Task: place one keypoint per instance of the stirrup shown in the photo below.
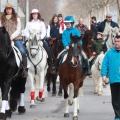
(24, 73)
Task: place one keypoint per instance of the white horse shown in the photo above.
(97, 78)
(112, 33)
(38, 66)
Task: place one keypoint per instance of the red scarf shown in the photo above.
(62, 25)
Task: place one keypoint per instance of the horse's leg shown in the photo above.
(54, 85)
(32, 93)
(100, 86)
(66, 113)
(5, 99)
(21, 108)
(70, 91)
(60, 89)
(41, 86)
(48, 76)
(95, 83)
(75, 99)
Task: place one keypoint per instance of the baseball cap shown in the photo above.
(35, 11)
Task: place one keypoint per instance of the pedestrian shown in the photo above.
(12, 23)
(35, 23)
(111, 68)
(81, 26)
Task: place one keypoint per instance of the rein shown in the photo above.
(35, 65)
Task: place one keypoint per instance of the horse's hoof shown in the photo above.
(66, 114)
(75, 118)
(21, 109)
(32, 106)
(8, 113)
(70, 102)
(2, 116)
(54, 93)
(13, 105)
(48, 89)
(40, 99)
(59, 93)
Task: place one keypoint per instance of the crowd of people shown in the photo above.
(58, 25)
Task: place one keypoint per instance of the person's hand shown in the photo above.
(102, 52)
(11, 38)
(94, 53)
(104, 79)
(67, 47)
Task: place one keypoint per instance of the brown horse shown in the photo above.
(56, 47)
(72, 76)
(87, 42)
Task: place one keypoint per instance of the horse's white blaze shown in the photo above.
(96, 75)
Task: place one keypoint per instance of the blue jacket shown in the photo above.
(111, 66)
(66, 36)
(101, 26)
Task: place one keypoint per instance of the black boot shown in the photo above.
(24, 63)
(88, 67)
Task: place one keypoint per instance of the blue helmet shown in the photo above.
(69, 19)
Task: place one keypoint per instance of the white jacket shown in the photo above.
(35, 25)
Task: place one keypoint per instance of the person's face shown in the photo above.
(9, 11)
(99, 36)
(108, 19)
(35, 16)
(68, 25)
(55, 20)
(60, 19)
(81, 21)
(117, 43)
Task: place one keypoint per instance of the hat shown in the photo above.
(8, 5)
(35, 11)
(93, 17)
(100, 33)
(108, 15)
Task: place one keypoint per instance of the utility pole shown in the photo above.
(27, 10)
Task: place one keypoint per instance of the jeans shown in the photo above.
(19, 45)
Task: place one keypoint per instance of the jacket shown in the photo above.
(66, 35)
(111, 66)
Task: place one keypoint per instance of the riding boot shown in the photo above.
(88, 66)
(24, 63)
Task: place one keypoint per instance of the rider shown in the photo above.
(69, 22)
(35, 23)
(12, 23)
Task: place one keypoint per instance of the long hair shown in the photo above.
(52, 21)
(14, 17)
(31, 17)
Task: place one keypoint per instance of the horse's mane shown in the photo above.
(86, 36)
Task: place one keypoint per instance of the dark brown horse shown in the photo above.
(87, 42)
(56, 47)
(72, 77)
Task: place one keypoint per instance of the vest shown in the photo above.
(11, 28)
(54, 30)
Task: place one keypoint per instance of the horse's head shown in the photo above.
(5, 44)
(74, 50)
(34, 44)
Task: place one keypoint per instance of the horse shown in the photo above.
(56, 48)
(111, 36)
(73, 76)
(87, 41)
(96, 75)
(37, 58)
(10, 77)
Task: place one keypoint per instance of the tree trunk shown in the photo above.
(118, 3)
